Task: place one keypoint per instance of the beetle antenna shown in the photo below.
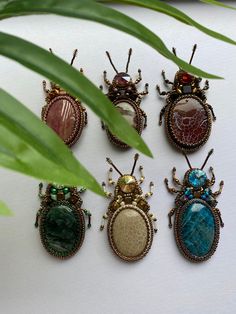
(208, 156)
(111, 163)
(136, 156)
(50, 49)
(109, 57)
(174, 51)
(186, 157)
(129, 55)
(74, 56)
(193, 52)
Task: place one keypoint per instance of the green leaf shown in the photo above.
(4, 210)
(29, 146)
(91, 10)
(219, 4)
(177, 14)
(72, 81)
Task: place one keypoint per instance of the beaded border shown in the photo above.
(149, 229)
(77, 212)
(169, 126)
(78, 112)
(177, 232)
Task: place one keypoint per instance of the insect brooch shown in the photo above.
(64, 113)
(125, 97)
(188, 117)
(61, 220)
(130, 225)
(197, 220)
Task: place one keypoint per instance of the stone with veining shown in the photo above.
(130, 233)
(128, 112)
(189, 122)
(61, 117)
(197, 229)
(61, 230)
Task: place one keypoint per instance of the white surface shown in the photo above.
(95, 281)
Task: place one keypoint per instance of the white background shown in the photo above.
(95, 281)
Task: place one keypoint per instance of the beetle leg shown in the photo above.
(145, 92)
(165, 79)
(171, 190)
(206, 86)
(145, 118)
(142, 175)
(89, 215)
(212, 181)
(103, 125)
(46, 91)
(139, 77)
(159, 91)
(176, 180)
(85, 116)
(217, 193)
(219, 216)
(171, 213)
(105, 78)
(150, 193)
(36, 224)
(81, 190)
(108, 194)
(104, 217)
(110, 181)
(40, 193)
(212, 112)
(162, 112)
(154, 221)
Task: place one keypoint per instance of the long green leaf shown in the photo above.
(29, 146)
(177, 14)
(5, 210)
(74, 82)
(91, 10)
(214, 2)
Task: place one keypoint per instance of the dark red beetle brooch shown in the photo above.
(125, 97)
(197, 220)
(130, 224)
(61, 220)
(64, 113)
(188, 117)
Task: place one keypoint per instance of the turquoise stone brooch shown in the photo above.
(61, 220)
(197, 219)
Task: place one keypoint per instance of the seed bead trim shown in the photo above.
(150, 232)
(177, 231)
(79, 114)
(78, 213)
(169, 126)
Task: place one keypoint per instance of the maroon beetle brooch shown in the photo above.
(188, 117)
(197, 219)
(125, 97)
(64, 113)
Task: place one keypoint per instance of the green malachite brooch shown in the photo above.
(61, 220)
